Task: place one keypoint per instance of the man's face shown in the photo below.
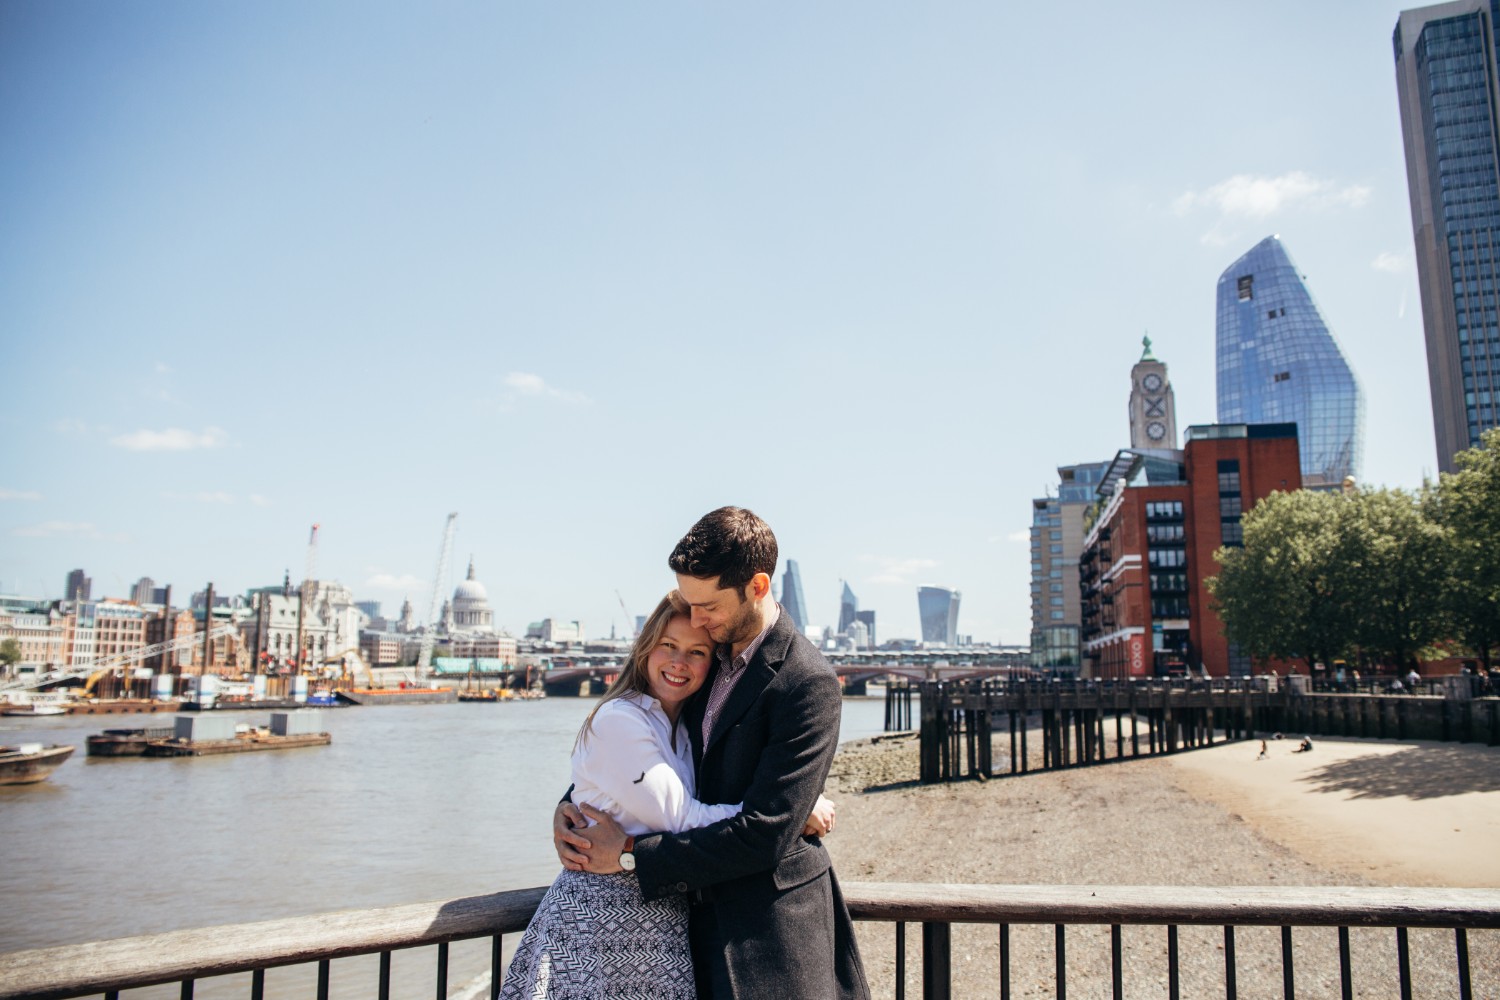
(728, 618)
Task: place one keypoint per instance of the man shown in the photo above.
(766, 914)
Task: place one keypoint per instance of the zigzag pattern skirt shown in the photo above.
(594, 937)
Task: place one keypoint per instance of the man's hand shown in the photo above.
(567, 837)
(608, 842)
(820, 823)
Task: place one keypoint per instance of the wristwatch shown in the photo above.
(627, 857)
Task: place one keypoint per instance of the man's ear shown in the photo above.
(760, 585)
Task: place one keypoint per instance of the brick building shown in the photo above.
(1160, 517)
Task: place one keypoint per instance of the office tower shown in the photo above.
(867, 618)
(793, 597)
(1153, 404)
(144, 591)
(848, 608)
(938, 608)
(371, 609)
(1446, 72)
(1279, 364)
(78, 587)
(1057, 531)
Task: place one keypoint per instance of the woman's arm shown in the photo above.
(623, 758)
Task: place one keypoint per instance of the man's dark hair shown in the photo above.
(730, 543)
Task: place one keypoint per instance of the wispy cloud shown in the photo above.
(1249, 196)
(404, 583)
(1024, 535)
(6, 494)
(256, 500)
(74, 529)
(527, 384)
(203, 496)
(1392, 262)
(171, 439)
(889, 570)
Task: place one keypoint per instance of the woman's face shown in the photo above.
(679, 663)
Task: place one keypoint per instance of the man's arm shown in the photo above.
(790, 773)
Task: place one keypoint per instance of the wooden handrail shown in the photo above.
(124, 963)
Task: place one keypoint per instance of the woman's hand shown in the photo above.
(820, 823)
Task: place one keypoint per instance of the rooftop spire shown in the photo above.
(1146, 354)
(471, 566)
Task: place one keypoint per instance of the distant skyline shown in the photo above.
(583, 273)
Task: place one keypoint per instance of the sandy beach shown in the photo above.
(1351, 812)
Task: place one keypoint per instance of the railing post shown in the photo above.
(937, 965)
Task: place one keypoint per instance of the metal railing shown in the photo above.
(187, 957)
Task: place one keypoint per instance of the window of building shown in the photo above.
(1231, 533)
(1055, 548)
(1246, 287)
(1058, 616)
(1229, 507)
(1057, 602)
(1056, 587)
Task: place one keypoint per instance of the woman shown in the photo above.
(594, 936)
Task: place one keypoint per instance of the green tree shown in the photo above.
(1396, 556)
(1289, 592)
(10, 653)
(1467, 506)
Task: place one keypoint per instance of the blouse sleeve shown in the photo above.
(630, 766)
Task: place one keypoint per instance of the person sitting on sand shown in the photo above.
(1305, 746)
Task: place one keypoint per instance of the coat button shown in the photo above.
(682, 887)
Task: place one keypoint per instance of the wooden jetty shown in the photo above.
(1087, 722)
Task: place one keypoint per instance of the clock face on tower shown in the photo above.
(1152, 382)
(1156, 430)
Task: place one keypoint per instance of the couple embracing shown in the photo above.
(690, 841)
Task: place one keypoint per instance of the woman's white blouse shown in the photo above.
(625, 766)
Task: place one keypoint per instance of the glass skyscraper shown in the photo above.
(1446, 73)
(938, 607)
(793, 597)
(848, 608)
(1278, 363)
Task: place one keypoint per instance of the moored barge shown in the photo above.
(398, 696)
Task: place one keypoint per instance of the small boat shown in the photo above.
(25, 763)
(34, 708)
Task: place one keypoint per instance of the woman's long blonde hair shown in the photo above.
(632, 678)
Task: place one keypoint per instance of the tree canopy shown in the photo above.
(1377, 574)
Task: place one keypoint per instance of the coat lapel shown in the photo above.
(758, 673)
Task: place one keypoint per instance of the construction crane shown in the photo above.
(312, 555)
(629, 621)
(435, 606)
(304, 593)
(95, 671)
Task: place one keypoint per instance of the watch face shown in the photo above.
(1156, 430)
(1152, 382)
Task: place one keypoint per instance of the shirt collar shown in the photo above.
(734, 666)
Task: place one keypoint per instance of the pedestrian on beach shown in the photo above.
(596, 935)
(1262, 750)
(766, 916)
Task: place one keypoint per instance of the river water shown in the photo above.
(408, 804)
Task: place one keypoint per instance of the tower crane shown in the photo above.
(629, 621)
(424, 660)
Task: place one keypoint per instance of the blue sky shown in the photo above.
(582, 272)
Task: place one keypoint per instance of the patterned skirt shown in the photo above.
(595, 938)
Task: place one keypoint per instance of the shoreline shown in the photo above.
(1211, 817)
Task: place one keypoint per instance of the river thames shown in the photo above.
(409, 803)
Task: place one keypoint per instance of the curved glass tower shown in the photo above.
(1278, 363)
(793, 598)
(938, 607)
